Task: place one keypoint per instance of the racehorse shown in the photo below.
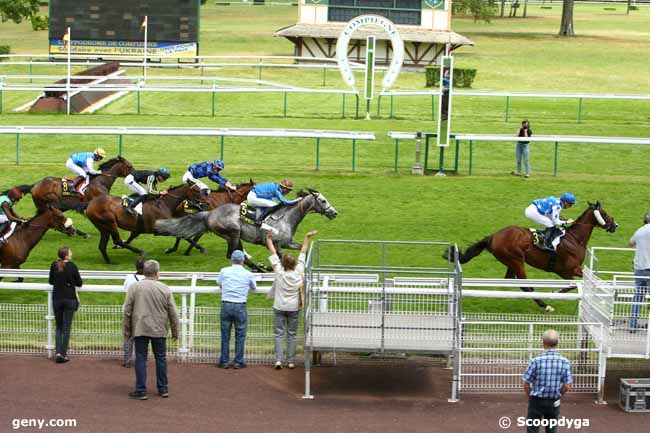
(213, 201)
(108, 214)
(225, 222)
(17, 248)
(50, 190)
(513, 246)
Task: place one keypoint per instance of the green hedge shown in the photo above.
(40, 22)
(462, 77)
(4, 49)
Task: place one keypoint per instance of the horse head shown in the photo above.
(600, 217)
(60, 222)
(118, 167)
(321, 204)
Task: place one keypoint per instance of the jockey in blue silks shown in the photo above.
(546, 211)
(209, 169)
(81, 163)
(263, 194)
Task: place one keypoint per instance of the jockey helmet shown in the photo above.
(163, 172)
(100, 152)
(219, 164)
(568, 197)
(286, 184)
(15, 194)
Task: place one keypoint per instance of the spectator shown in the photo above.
(523, 149)
(149, 305)
(546, 380)
(287, 294)
(64, 278)
(235, 283)
(130, 279)
(640, 240)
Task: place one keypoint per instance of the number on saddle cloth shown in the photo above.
(248, 213)
(68, 186)
(540, 234)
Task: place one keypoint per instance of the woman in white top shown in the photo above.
(130, 279)
(286, 293)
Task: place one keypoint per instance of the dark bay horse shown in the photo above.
(213, 201)
(225, 222)
(513, 246)
(108, 215)
(15, 252)
(50, 189)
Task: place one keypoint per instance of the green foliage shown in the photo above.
(480, 10)
(462, 77)
(5, 49)
(40, 22)
(17, 10)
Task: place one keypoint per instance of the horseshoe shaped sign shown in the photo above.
(344, 40)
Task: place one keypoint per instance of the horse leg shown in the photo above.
(174, 247)
(519, 271)
(103, 242)
(194, 243)
(132, 236)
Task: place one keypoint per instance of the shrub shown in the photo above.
(462, 77)
(40, 22)
(4, 49)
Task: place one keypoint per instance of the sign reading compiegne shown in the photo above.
(395, 39)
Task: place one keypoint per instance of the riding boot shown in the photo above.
(549, 236)
(77, 182)
(137, 200)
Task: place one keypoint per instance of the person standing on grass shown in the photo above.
(640, 240)
(64, 278)
(287, 294)
(149, 306)
(138, 275)
(235, 283)
(547, 378)
(523, 149)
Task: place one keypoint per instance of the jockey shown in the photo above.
(81, 163)
(7, 213)
(148, 177)
(209, 169)
(262, 195)
(546, 211)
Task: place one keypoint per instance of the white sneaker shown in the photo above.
(291, 365)
(278, 365)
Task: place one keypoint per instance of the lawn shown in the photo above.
(608, 56)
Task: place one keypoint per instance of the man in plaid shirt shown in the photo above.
(547, 378)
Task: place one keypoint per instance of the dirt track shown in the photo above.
(261, 400)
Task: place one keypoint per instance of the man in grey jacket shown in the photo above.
(149, 306)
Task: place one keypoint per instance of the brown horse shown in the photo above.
(17, 248)
(108, 215)
(214, 200)
(513, 246)
(50, 189)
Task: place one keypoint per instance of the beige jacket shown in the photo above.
(148, 307)
(286, 291)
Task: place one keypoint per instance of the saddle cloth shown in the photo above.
(67, 186)
(538, 238)
(248, 215)
(126, 201)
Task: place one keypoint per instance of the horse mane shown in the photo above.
(590, 208)
(110, 163)
(303, 193)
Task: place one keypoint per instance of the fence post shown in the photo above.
(138, 96)
(531, 336)
(30, 69)
(17, 148)
(119, 146)
(579, 110)
(379, 105)
(49, 318)
(391, 107)
(456, 157)
(470, 158)
(192, 318)
(555, 160)
(356, 114)
(343, 108)
(433, 110)
(285, 104)
(507, 108)
(214, 97)
(259, 76)
(182, 350)
(1, 88)
(324, 74)
(396, 154)
(354, 153)
(317, 153)
(222, 146)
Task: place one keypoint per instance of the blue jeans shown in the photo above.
(642, 285)
(159, 348)
(233, 314)
(523, 152)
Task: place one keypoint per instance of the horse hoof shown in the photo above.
(203, 251)
(169, 250)
(117, 247)
(86, 236)
(549, 309)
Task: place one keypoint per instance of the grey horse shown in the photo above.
(225, 221)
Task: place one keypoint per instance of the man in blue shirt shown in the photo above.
(546, 211)
(547, 378)
(263, 194)
(209, 169)
(235, 283)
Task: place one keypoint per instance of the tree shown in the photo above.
(566, 26)
(17, 10)
(481, 10)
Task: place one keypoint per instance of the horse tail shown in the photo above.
(474, 250)
(184, 227)
(25, 189)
